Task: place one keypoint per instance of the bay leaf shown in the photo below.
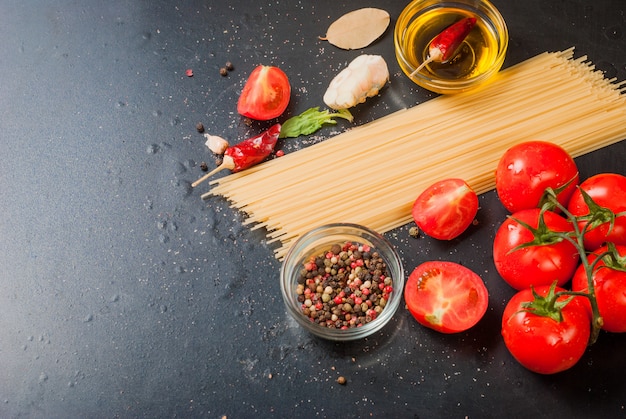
(358, 29)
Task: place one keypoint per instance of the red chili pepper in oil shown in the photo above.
(247, 153)
(447, 42)
(443, 46)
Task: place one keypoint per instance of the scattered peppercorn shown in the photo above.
(204, 167)
(229, 66)
(189, 72)
(200, 127)
(341, 380)
(344, 287)
(414, 232)
(223, 71)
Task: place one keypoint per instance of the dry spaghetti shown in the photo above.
(552, 97)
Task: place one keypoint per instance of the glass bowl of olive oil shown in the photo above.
(479, 56)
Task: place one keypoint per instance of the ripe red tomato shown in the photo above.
(607, 190)
(265, 95)
(527, 169)
(534, 265)
(445, 209)
(540, 343)
(610, 288)
(446, 296)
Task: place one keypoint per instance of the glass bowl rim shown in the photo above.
(451, 86)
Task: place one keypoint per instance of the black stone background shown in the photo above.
(122, 294)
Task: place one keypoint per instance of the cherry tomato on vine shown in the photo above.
(527, 169)
(446, 296)
(265, 95)
(542, 263)
(541, 343)
(607, 190)
(445, 209)
(609, 283)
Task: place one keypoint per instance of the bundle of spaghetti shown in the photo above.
(371, 175)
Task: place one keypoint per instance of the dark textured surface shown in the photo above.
(122, 294)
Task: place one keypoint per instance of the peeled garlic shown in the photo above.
(216, 144)
(363, 78)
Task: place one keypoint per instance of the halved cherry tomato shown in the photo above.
(445, 209)
(609, 283)
(542, 263)
(446, 296)
(527, 169)
(265, 95)
(607, 190)
(543, 344)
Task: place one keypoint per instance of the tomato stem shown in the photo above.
(577, 239)
(548, 306)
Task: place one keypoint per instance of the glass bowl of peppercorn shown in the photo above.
(342, 281)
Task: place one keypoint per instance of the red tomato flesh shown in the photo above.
(610, 288)
(533, 265)
(607, 190)
(527, 169)
(445, 209)
(446, 296)
(265, 95)
(540, 343)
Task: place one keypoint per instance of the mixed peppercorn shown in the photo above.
(344, 287)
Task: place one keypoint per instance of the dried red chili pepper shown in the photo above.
(443, 46)
(247, 153)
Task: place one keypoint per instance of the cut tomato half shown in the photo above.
(446, 296)
(445, 209)
(265, 95)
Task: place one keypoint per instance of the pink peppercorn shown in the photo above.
(388, 289)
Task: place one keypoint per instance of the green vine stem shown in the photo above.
(577, 239)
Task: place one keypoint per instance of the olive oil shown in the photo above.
(476, 55)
